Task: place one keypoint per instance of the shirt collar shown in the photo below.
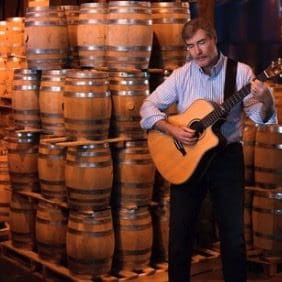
(216, 68)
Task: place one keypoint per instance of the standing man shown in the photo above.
(203, 77)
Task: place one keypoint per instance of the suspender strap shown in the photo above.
(230, 78)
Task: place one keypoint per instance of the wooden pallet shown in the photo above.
(31, 262)
(5, 233)
(204, 261)
(271, 266)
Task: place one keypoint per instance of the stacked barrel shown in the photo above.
(5, 187)
(248, 139)
(127, 57)
(23, 147)
(22, 163)
(85, 192)
(266, 200)
(20, 85)
(168, 47)
(12, 56)
(12, 51)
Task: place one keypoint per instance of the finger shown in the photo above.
(189, 130)
(191, 141)
(190, 138)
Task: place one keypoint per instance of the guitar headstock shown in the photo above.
(274, 69)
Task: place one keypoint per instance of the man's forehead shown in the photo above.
(198, 35)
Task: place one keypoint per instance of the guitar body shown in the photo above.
(175, 166)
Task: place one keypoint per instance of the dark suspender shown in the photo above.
(230, 78)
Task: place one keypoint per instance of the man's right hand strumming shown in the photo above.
(182, 133)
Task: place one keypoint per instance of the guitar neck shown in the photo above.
(229, 103)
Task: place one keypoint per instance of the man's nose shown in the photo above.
(197, 49)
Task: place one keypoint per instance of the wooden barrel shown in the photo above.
(267, 220)
(25, 102)
(13, 63)
(134, 174)
(72, 17)
(3, 77)
(3, 39)
(92, 20)
(249, 139)
(51, 95)
(38, 3)
(277, 93)
(87, 104)
(6, 121)
(168, 47)
(128, 90)
(90, 242)
(248, 225)
(50, 231)
(22, 221)
(51, 170)
(129, 36)
(268, 157)
(160, 221)
(134, 237)
(15, 36)
(89, 176)
(46, 38)
(5, 189)
(22, 160)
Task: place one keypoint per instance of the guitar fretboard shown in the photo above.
(228, 104)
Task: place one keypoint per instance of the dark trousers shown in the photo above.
(224, 180)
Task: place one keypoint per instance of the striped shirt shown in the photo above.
(189, 82)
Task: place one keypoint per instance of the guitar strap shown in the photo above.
(230, 78)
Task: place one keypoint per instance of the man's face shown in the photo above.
(202, 49)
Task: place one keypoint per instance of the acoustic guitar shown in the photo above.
(178, 162)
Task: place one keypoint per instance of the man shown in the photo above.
(203, 77)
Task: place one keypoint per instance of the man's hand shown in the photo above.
(261, 92)
(183, 134)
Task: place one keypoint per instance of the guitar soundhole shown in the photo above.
(198, 127)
